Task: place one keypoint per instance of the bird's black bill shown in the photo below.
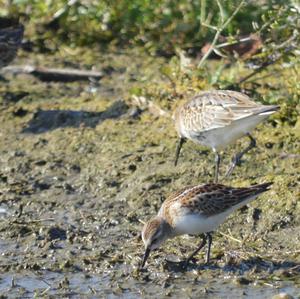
(146, 255)
(178, 148)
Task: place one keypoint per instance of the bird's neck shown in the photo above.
(167, 229)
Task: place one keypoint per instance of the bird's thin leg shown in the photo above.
(217, 166)
(195, 252)
(181, 141)
(237, 158)
(209, 238)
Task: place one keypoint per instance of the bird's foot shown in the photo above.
(185, 264)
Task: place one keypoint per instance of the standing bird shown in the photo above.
(10, 41)
(196, 210)
(218, 118)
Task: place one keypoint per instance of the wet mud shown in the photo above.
(82, 166)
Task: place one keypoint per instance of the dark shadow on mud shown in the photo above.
(252, 264)
(48, 120)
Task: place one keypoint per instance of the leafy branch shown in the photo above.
(224, 23)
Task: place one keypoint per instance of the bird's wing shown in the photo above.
(212, 199)
(215, 109)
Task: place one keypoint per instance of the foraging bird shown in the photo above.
(196, 210)
(218, 118)
(10, 41)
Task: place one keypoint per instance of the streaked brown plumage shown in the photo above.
(196, 210)
(211, 199)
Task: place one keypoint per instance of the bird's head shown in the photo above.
(154, 233)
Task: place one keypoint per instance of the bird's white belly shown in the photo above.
(219, 138)
(194, 224)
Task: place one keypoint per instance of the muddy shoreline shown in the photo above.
(82, 166)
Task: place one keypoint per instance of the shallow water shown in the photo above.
(46, 283)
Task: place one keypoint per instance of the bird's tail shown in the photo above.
(269, 109)
(253, 190)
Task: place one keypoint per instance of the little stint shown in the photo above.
(218, 118)
(196, 210)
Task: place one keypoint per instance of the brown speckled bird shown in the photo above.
(218, 118)
(196, 210)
